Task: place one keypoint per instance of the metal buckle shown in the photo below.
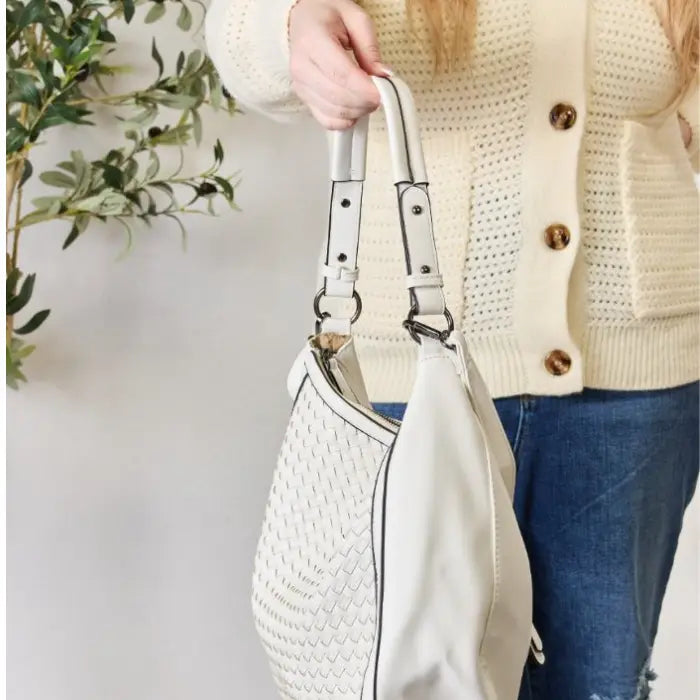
(320, 315)
(416, 328)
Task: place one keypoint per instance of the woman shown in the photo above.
(561, 140)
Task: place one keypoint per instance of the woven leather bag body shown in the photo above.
(390, 565)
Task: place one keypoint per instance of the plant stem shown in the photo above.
(10, 182)
(14, 175)
(17, 228)
(117, 99)
(107, 99)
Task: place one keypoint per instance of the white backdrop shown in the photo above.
(140, 453)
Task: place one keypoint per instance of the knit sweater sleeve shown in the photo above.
(247, 43)
(689, 108)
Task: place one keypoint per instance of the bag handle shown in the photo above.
(348, 167)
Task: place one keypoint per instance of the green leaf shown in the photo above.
(155, 13)
(153, 165)
(72, 236)
(24, 90)
(67, 165)
(24, 351)
(13, 373)
(145, 116)
(11, 281)
(129, 237)
(184, 20)
(130, 170)
(113, 176)
(60, 113)
(218, 152)
(155, 53)
(215, 93)
(56, 178)
(86, 54)
(107, 203)
(60, 48)
(17, 303)
(132, 136)
(183, 231)
(176, 136)
(106, 36)
(180, 62)
(114, 156)
(226, 187)
(74, 48)
(128, 10)
(44, 202)
(45, 69)
(34, 322)
(55, 208)
(193, 61)
(162, 186)
(83, 172)
(80, 223)
(196, 126)
(15, 138)
(33, 217)
(30, 14)
(26, 173)
(177, 101)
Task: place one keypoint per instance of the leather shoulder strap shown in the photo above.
(348, 167)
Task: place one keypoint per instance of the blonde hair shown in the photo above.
(450, 35)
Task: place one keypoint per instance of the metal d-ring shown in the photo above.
(320, 315)
(416, 328)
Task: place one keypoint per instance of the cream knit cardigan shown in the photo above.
(622, 298)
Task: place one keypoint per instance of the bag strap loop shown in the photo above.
(348, 168)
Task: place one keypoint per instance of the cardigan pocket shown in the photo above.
(381, 257)
(660, 214)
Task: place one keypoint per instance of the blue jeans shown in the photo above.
(603, 480)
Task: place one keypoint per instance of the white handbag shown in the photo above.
(390, 564)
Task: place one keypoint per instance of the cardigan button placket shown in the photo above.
(546, 296)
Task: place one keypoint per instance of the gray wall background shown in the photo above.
(140, 454)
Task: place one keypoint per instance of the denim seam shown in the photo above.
(519, 429)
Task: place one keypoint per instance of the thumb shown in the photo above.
(363, 41)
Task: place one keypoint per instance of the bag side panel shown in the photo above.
(438, 573)
(313, 593)
(499, 446)
(508, 630)
(506, 640)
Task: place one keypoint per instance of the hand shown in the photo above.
(336, 90)
(686, 131)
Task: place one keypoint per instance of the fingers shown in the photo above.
(686, 130)
(363, 40)
(337, 90)
(325, 113)
(341, 79)
(332, 83)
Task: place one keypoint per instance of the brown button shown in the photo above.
(557, 236)
(557, 362)
(562, 115)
